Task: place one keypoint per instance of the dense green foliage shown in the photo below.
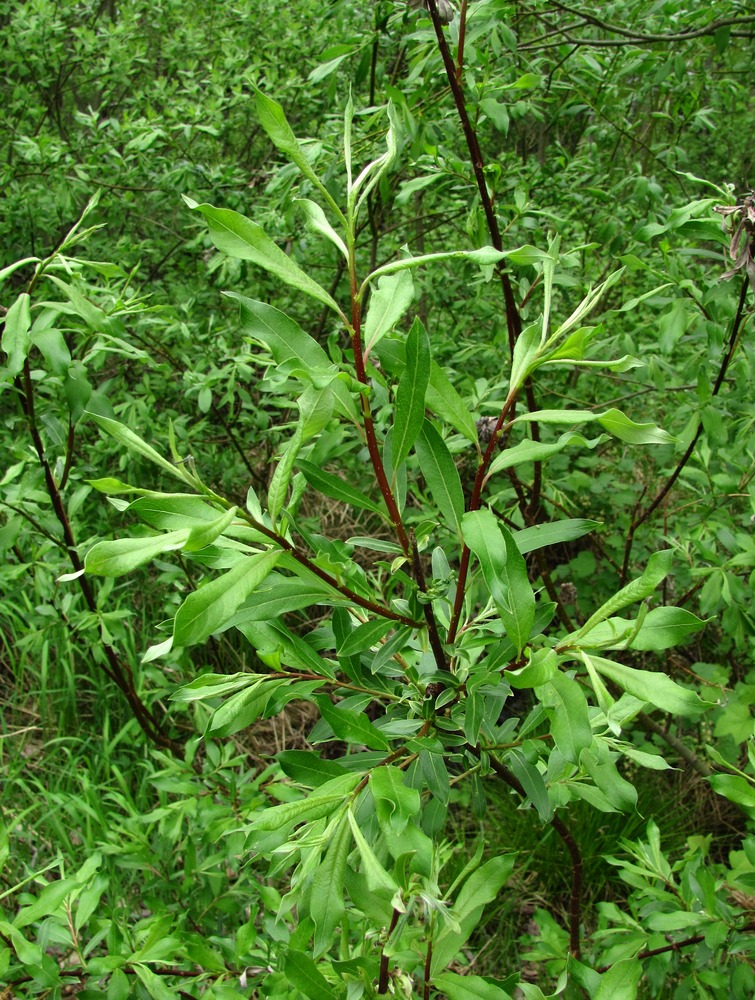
(414, 651)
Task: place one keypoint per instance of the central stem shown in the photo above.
(369, 427)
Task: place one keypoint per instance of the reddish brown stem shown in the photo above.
(369, 427)
(474, 504)
(383, 980)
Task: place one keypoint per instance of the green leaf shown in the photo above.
(619, 424)
(307, 767)
(457, 987)
(441, 475)
(655, 688)
(532, 782)
(435, 774)
(304, 976)
(154, 984)
(443, 399)
(657, 569)
(335, 487)
(378, 879)
(277, 491)
(474, 713)
(211, 686)
(410, 394)
(48, 901)
(126, 436)
(205, 534)
(16, 340)
(504, 571)
(318, 221)
(388, 303)
(276, 644)
(395, 802)
(326, 906)
(621, 981)
(570, 722)
(246, 706)
(735, 788)
(281, 594)
(666, 627)
(320, 802)
(542, 666)
(206, 610)
(350, 726)
(538, 451)
(53, 347)
(273, 120)
(526, 354)
(481, 888)
(123, 555)
(239, 237)
(291, 347)
(552, 533)
(618, 791)
(365, 636)
(613, 420)
(173, 511)
(6, 272)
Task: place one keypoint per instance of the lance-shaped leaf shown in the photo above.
(281, 594)
(390, 300)
(239, 237)
(467, 987)
(481, 888)
(504, 572)
(171, 511)
(318, 221)
(351, 726)
(208, 609)
(211, 686)
(122, 555)
(655, 688)
(532, 782)
(320, 802)
(396, 803)
(378, 879)
(273, 120)
(308, 768)
(659, 629)
(335, 487)
(364, 637)
(443, 399)
(126, 436)
(441, 475)
(599, 764)
(246, 706)
(326, 905)
(410, 394)
(291, 346)
(614, 421)
(540, 535)
(278, 489)
(205, 534)
(526, 356)
(657, 569)
(570, 723)
(302, 973)
(16, 339)
(539, 451)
